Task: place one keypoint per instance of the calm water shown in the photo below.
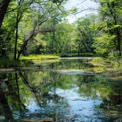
(61, 91)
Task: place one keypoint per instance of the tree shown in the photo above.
(86, 33)
(19, 12)
(3, 8)
(110, 17)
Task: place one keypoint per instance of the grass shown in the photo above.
(39, 57)
(98, 61)
(6, 62)
(106, 65)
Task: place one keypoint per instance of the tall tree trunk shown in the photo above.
(3, 8)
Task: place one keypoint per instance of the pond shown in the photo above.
(62, 91)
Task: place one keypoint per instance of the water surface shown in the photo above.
(61, 91)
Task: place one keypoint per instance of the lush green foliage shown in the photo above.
(109, 26)
(40, 27)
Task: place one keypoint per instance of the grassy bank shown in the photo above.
(6, 62)
(39, 57)
(109, 66)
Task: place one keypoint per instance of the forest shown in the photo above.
(31, 27)
(52, 70)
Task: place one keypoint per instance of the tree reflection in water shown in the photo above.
(16, 92)
(37, 94)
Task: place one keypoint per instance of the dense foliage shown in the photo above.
(40, 27)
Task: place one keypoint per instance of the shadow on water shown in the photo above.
(60, 92)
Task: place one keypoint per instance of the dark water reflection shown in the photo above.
(59, 92)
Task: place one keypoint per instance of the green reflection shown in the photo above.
(39, 93)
